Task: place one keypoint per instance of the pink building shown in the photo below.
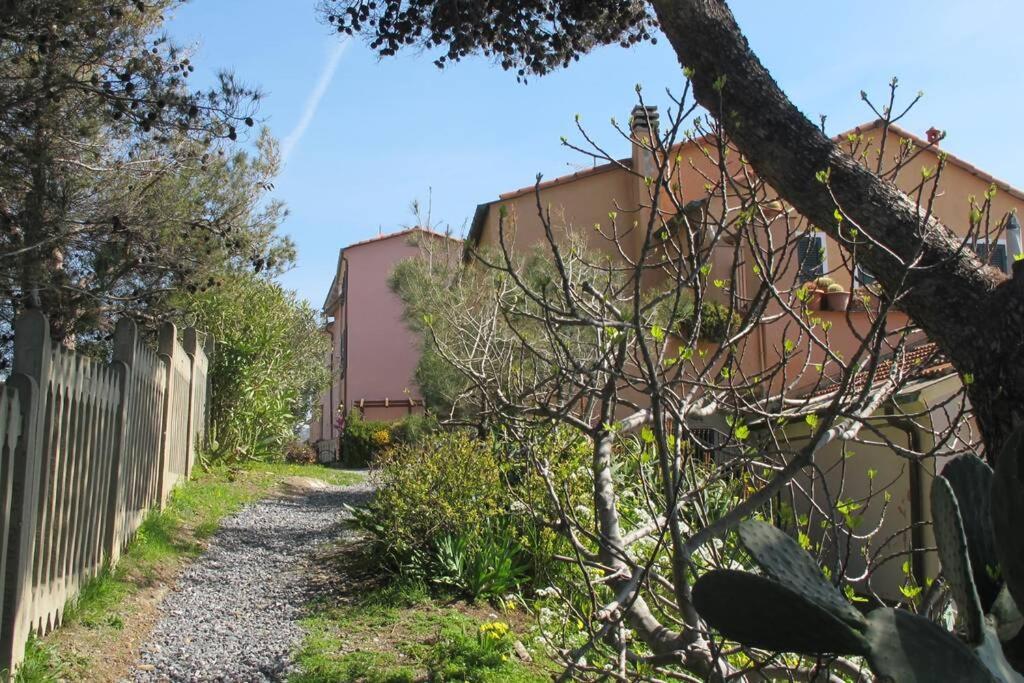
(373, 353)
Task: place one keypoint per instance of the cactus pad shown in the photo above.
(1007, 616)
(1008, 511)
(971, 480)
(908, 648)
(953, 553)
(763, 613)
(990, 652)
(784, 560)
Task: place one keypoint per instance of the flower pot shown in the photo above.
(837, 301)
(815, 298)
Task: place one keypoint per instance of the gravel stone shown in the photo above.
(234, 613)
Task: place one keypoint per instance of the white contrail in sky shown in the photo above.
(313, 102)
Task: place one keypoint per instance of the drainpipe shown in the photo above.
(917, 513)
(344, 339)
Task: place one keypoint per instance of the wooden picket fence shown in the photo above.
(86, 450)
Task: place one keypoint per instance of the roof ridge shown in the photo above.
(924, 144)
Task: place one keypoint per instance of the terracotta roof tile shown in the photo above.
(916, 363)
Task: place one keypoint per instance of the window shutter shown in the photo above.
(999, 257)
(994, 255)
(809, 256)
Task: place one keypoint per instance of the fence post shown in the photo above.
(168, 342)
(30, 378)
(193, 349)
(123, 361)
(209, 348)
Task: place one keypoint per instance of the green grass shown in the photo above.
(398, 634)
(165, 539)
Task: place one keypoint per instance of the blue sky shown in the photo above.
(365, 137)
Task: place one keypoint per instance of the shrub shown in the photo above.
(716, 324)
(363, 441)
(268, 367)
(448, 485)
(414, 428)
(300, 453)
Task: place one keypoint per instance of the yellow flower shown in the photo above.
(381, 437)
(495, 630)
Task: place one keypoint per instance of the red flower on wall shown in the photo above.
(934, 135)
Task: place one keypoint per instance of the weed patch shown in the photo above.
(374, 631)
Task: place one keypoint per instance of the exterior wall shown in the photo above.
(586, 199)
(373, 353)
(951, 206)
(580, 201)
(575, 206)
(381, 352)
(845, 468)
(322, 425)
(391, 413)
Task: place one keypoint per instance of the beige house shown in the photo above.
(583, 199)
(373, 353)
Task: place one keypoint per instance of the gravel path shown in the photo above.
(233, 614)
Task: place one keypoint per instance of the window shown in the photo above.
(706, 442)
(810, 255)
(993, 254)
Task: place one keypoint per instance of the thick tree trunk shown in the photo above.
(974, 313)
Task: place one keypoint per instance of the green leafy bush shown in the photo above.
(268, 364)
(448, 484)
(488, 562)
(414, 429)
(363, 441)
(716, 323)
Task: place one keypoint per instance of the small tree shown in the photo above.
(118, 182)
(641, 355)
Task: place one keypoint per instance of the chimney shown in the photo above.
(643, 127)
(643, 130)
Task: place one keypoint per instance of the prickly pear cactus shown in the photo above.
(782, 558)
(908, 648)
(1008, 619)
(795, 609)
(1008, 513)
(971, 480)
(764, 613)
(954, 556)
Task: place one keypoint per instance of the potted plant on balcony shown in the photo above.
(837, 298)
(816, 289)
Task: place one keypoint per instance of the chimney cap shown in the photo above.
(642, 115)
